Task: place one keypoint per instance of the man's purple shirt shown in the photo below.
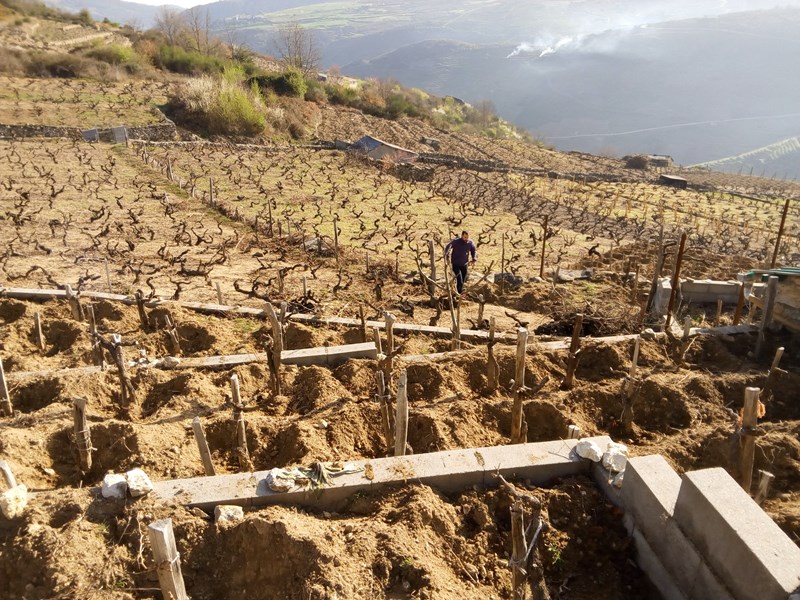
(461, 251)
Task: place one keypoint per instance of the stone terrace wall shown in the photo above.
(158, 132)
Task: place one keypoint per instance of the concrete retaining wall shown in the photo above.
(697, 291)
(701, 536)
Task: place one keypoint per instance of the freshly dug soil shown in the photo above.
(408, 542)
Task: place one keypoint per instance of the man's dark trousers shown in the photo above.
(461, 275)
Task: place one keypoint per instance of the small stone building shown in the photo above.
(377, 149)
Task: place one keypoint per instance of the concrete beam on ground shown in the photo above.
(322, 355)
(532, 348)
(329, 355)
(449, 471)
(649, 494)
(256, 313)
(751, 555)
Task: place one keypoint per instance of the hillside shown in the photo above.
(118, 11)
(711, 78)
(152, 282)
(636, 91)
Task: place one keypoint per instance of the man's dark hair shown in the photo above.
(465, 232)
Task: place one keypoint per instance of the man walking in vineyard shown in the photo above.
(461, 250)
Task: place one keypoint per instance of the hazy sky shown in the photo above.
(740, 4)
(183, 3)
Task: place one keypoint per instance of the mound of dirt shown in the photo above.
(297, 336)
(315, 388)
(600, 361)
(358, 376)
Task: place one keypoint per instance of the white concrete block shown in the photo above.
(615, 457)
(649, 492)
(115, 486)
(225, 513)
(588, 449)
(751, 555)
(139, 483)
(14, 501)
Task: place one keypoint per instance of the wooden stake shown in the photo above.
(83, 438)
(749, 425)
(284, 315)
(519, 554)
(277, 349)
(241, 434)
(202, 446)
(676, 274)
(401, 415)
(519, 373)
(376, 336)
(168, 561)
(388, 364)
(780, 234)
(503, 264)
(169, 169)
(687, 328)
(574, 353)
(453, 320)
(74, 304)
(544, 246)
(363, 319)
(635, 360)
(144, 322)
(5, 399)
(518, 428)
(383, 402)
(336, 239)
(211, 193)
(635, 287)
(127, 391)
(7, 475)
(766, 391)
(455, 343)
(777, 360)
(172, 333)
(737, 315)
(220, 299)
(492, 368)
(659, 266)
(37, 331)
(719, 312)
(765, 479)
(766, 313)
(97, 349)
(432, 258)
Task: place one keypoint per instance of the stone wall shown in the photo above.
(158, 131)
(38, 131)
